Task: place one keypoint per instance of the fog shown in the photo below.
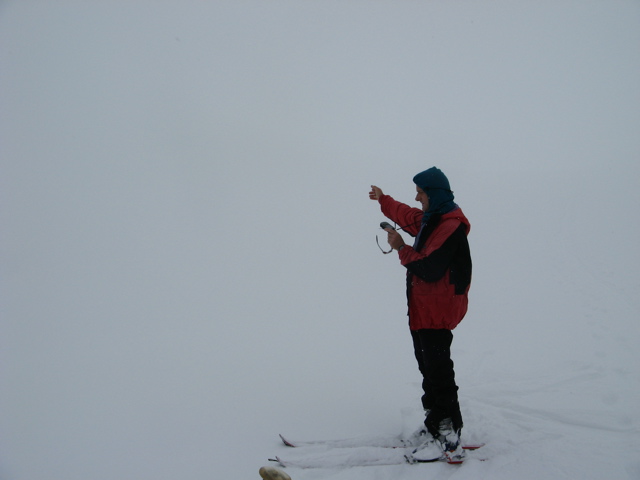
(188, 259)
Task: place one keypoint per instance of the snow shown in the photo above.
(188, 258)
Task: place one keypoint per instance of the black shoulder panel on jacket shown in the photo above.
(461, 264)
(453, 255)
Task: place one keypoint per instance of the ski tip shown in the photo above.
(285, 441)
(277, 460)
(273, 473)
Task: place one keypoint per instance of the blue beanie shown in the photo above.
(436, 185)
(432, 178)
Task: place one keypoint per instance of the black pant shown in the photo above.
(433, 353)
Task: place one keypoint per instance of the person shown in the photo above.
(438, 268)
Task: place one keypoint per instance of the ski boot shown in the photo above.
(449, 441)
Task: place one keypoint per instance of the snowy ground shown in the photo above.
(188, 258)
(547, 360)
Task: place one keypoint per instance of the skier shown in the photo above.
(438, 278)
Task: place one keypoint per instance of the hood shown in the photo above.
(436, 185)
(457, 214)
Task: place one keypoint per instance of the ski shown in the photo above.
(348, 461)
(360, 451)
(309, 464)
(347, 457)
(362, 441)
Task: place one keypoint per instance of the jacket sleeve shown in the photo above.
(432, 263)
(408, 218)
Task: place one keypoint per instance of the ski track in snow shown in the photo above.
(530, 428)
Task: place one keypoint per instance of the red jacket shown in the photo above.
(438, 267)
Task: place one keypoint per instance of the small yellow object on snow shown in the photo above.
(272, 473)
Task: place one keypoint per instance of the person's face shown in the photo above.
(422, 198)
